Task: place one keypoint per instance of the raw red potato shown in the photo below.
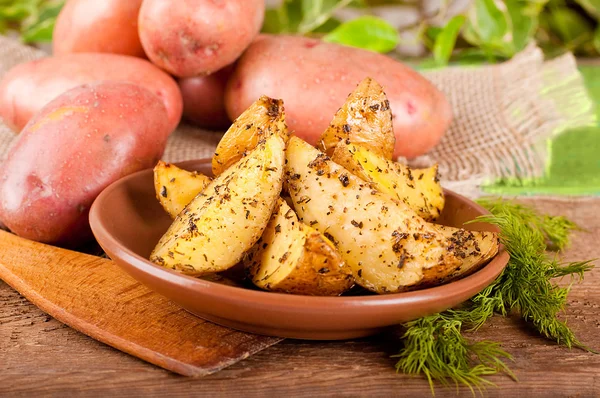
(71, 150)
(204, 99)
(28, 87)
(198, 37)
(314, 78)
(106, 26)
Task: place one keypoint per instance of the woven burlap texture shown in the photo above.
(503, 116)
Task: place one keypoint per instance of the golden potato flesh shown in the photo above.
(365, 119)
(486, 244)
(420, 189)
(175, 187)
(294, 258)
(215, 229)
(263, 118)
(388, 247)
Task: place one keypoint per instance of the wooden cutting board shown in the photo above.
(93, 296)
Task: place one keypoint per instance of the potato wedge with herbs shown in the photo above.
(389, 248)
(420, 189)
(215, 229)
(175, 187)
(486, 244)
(263, 118)
(294, 258)
(365, 119)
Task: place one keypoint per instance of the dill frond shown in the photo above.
(574, 269)
(434, 345)
(555, 230)
(526, 284)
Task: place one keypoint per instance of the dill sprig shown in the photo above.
(434, 345)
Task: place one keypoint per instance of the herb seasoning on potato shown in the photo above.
(292, 257)
(367, 223)
(394, 250)
(227, 218)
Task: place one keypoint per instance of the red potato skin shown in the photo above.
(100, 26)
(197, 37)
(314, 78)
(74, 148)
(204, 99)
(28, 87)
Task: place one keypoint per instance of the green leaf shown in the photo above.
(569, 25)
(524, 22)
(432, 32)
(311, 8)
(39, 33)
(446, 39)
(368, 32)
(272, 23)
(40, 25)
(471, 56)
(284, 19)
(597, 39)
(15, 12)
(331, 24)
(358, 4)
(592, 7)
(491, 22)
(317, 12)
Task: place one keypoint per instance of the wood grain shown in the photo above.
(40, 356)
(94, 296)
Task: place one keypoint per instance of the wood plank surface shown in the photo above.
(94, 296)
(40, 356)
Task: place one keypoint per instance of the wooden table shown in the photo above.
(40, 356)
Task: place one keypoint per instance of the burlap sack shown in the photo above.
(503, 116)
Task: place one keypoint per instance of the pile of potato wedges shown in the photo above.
(315, 220)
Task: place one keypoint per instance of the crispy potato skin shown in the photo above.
(314, 78)
(77, 145)
(196, 37)
(364, 119)
(175, 188)
(294, 258)
(265, 117)
(485, 243)
(420, 189)
(28, 87)
(388, 247)
(107, 26)
(204, 99)
(212, 233)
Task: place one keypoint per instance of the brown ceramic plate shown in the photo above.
(128, 221)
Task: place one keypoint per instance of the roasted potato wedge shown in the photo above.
(365, 119)
(226, 219)
(420, 189)
(486, 244)
(292, 257)
(263, 118)
(389, 247)
(175, 187)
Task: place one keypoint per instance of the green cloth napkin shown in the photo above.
(574, 165)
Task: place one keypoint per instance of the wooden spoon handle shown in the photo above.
(93, 296)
